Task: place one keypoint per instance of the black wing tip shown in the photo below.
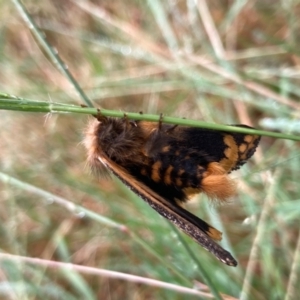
(228, 260)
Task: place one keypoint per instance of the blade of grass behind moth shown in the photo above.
(261, 227)
(216, 220)
(51, 52)
(291, 290)
(72, 207)
(159, 257)
(202, 271)
(77, 209)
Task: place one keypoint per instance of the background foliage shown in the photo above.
(219, 61)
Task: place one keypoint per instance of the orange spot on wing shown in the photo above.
(249, 138)
(180, 172)
(178, 181)
(251, 143)
(231, 153)
(191, 192)
(155, 171)
(214, 233)
(243, 147)
(144, 172)
(166, 149)
(167, 175)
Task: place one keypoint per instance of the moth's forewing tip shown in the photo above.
(229, 261)
(232, 263)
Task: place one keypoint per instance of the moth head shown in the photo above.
(116, 139)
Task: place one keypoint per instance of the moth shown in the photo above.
(166, 165)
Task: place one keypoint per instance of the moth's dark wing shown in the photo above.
(231, 150)
(200, 146)
(193, 226)
(185, 161)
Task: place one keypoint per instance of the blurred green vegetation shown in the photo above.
(226, 62)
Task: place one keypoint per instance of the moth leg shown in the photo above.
(172, 128)
(99, 116)
(129, 123)
(160, 121)
(160, 124)
(133, 123)
(169, 130)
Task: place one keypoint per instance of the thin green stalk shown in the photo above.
(79, 210)
(261, 228)
(291, 292)
(161, 259)
(74, 208)
(51, 52)
(8, 102)
(201, 270)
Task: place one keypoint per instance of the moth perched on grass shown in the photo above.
(166, 165)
